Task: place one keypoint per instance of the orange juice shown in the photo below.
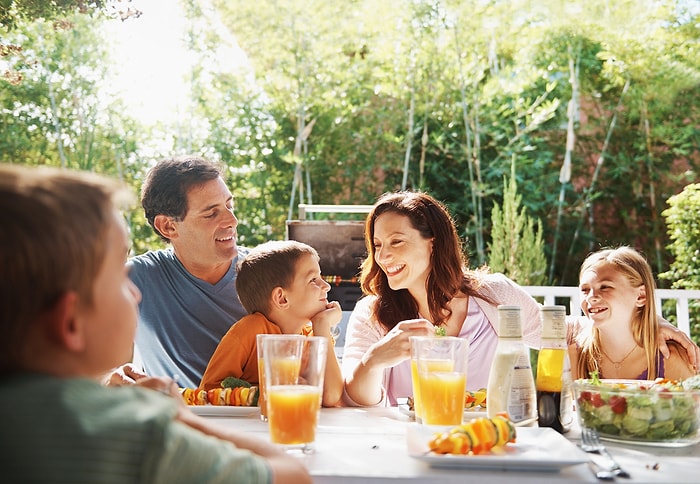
(442, 397)
(292, 413)
(417, 408)
(427, 365)
(285, 371)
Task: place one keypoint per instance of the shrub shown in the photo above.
(683, 227)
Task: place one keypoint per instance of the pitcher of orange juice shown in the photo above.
(440, 375)
(294, 366)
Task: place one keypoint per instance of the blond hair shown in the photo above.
(645, 324)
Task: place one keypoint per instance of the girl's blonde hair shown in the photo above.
(645, 325)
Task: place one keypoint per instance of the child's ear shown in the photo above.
(641, 297)
(165, 225)
(65, 327)
(279, 298)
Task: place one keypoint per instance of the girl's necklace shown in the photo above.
(618, 364)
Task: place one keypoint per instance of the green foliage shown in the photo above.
(13, 12)
(57, 115)
(683, 225)
(343, 91)
(516, 248)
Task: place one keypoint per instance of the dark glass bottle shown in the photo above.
(553, 382)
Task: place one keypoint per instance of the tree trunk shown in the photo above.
(565, 173)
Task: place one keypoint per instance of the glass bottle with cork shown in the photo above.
(553, 382)
(511, 386)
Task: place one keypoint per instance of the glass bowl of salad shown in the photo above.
(661, 412)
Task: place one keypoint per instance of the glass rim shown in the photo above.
(436, 337)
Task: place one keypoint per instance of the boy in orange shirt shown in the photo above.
(279, 283)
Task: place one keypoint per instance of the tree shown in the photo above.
(683, 226)
(516, 248)
(15, 12)
(59, 114)
(323, 113)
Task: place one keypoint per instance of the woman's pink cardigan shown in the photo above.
(363, 332)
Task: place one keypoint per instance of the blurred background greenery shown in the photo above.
(576, 120)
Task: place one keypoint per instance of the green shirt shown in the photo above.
(77, 431)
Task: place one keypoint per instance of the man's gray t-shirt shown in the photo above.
(181, 318)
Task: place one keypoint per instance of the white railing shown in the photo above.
(570, 295)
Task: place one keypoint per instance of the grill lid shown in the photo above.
(340, 244)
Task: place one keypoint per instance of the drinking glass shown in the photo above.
(441, 375)
(262, 402)
(294, 366)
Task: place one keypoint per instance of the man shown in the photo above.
(68, 314)
(189, 298)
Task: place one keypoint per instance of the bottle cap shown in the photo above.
(553, 322)
(509, 325)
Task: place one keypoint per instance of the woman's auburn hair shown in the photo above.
(448, 275)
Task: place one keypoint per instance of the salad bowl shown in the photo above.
(661, 412)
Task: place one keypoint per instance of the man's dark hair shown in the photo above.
(165, 188)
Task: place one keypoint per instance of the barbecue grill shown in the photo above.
(341, 248)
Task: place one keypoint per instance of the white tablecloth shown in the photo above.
(360, 445)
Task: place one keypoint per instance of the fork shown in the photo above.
(591, 443)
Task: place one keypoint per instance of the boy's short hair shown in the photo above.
(267, 266)
(53, 240)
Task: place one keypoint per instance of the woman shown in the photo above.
(416, 278)
(619, 334)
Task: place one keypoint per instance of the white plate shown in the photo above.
(536, 449)
(469, 413)
(224, 410)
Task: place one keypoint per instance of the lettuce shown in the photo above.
(658, 411)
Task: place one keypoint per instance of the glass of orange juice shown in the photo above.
(294, 367)
(441, 375)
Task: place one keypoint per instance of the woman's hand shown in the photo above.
(395, 347)
(364, 386)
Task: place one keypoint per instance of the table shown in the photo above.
(361, 445)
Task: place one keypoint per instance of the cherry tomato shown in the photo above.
(617, 404)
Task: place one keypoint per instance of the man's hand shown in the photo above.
(123, 375)
(667, 332)
(162, 384)
(128, 375)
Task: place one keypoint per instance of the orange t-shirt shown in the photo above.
(237, 352)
